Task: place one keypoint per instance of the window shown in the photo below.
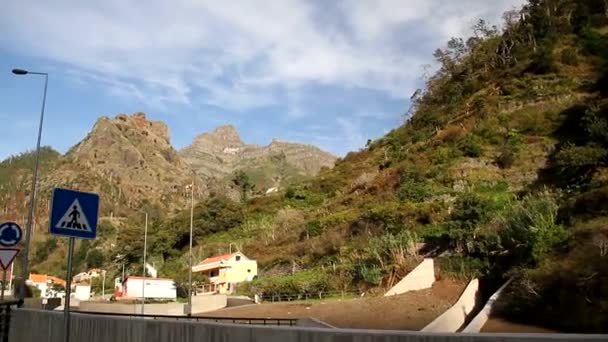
(248, 271)
(238, 257)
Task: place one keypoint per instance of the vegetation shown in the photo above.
(500, 170)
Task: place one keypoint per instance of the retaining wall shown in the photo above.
(482, 317)
(46, 326)
(200, 304)
(455, 317)
(421, 277)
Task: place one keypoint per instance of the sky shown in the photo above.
(328, 73)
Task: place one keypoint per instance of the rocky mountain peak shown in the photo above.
(225, 136)
(219, 153)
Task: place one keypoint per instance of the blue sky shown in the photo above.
(329, 73)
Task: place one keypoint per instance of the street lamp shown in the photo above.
(190, 251)
(30, 215)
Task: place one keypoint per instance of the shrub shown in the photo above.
(306, 282)
(371, 274)
(414, 186)
(571, 156)
(470, 146)
(530, 228)
(470, 209)
(506, 158)
(569, 57)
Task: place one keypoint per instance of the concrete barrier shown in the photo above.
(482, 317)
(421, 277)
(47, 326)
(455, 317)
(200, 304)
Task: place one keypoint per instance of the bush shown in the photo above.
(506, 158)
(414, 187)
(470, 146)
(530, 228)
(372, 274)
(571, 156)
(569, 57)
(314, 282)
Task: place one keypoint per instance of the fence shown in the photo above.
(239, 320)
(45, 326)
(288, 297)
(5, 318)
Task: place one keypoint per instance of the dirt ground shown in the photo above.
(496, 325)
(409, 311)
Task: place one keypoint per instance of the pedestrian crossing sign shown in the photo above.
(74, 213)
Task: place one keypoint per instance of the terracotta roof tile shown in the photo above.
(215, 259)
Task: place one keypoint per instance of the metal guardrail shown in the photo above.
(238, 320)
(288, 297)
(5, 317)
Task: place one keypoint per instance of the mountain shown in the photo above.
(128, 160)
(219, 154)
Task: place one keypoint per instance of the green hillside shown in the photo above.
(499, 171)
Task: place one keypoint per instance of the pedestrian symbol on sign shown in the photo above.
(74, 218)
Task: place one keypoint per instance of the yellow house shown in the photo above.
(224, 271)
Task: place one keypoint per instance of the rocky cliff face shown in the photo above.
(220, 153)
(130, 160)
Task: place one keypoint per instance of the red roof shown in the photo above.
(38, 278)
(211, 260)
(57, 280)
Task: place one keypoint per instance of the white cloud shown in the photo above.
(238, 54)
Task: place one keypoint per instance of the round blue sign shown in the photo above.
(10, 234)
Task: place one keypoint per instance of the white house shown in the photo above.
(225, 271)
(156, 288)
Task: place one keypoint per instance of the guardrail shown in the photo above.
(287, 297)
(238, 320)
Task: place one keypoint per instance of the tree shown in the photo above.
(241, 179)
(95, 259)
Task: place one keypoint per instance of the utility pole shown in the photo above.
(143, 281)
(190, 251)
(32, 204)
(103, 284)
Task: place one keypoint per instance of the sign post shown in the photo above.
(73, 214)
(10, 235)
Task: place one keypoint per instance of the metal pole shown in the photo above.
(68, 290)
(103, 284)
(143, 281)
(3, 284)
(28, 227)
(190, 253)
(10, 279)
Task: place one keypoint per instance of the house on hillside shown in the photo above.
(45, 283)
(224, 271)
(87, 276)
(154, 288)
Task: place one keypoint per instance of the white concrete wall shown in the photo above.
(421, 277)
(47, 326)
(482, 317)
(455, 317)
(199, 304)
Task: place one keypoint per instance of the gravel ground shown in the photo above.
(409, 311)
